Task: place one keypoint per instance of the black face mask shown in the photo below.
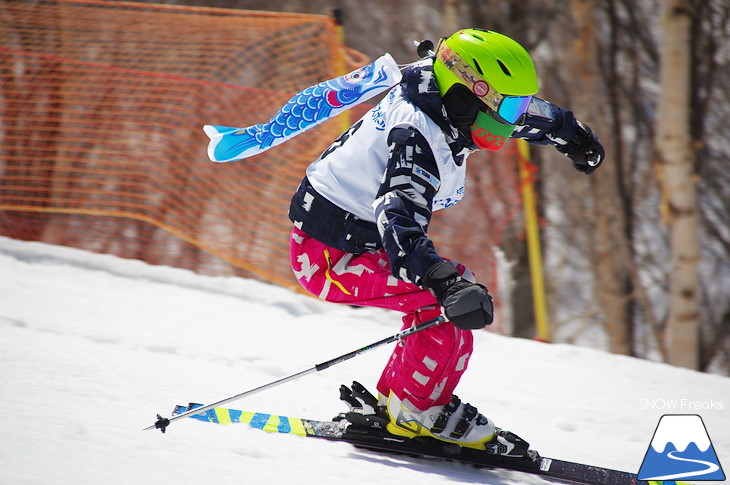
(462, 107)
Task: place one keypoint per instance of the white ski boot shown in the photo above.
(455, 422)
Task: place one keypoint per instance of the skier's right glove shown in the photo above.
(468, 305)
(585, 150)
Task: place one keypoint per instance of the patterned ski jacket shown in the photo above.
(378, 184)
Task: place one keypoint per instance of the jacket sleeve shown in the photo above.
(403, 204)
(546, 124)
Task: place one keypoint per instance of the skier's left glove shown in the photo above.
(467, 305)
(585, 149)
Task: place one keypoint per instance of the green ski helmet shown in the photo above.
(497, 70)
(500, 61)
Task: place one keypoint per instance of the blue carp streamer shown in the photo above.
(303, 111)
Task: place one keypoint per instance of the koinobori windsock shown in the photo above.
(304, 110)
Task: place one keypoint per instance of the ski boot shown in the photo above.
(456, 423)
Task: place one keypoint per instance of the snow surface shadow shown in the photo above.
(457, 472)
(13, 322)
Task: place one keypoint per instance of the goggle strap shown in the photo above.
(473, 80)
(481, 88)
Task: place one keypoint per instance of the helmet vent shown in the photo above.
(504, 68)
(479, 68)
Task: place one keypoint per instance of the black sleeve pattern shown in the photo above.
(403, 205)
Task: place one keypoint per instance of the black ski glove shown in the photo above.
(468, 305)
(585, 150)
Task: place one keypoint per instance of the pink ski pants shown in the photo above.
(424, 368)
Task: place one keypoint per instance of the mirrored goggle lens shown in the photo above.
(513, 107)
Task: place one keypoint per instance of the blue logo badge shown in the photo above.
(681, 449)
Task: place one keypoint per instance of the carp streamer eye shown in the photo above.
(355, 76)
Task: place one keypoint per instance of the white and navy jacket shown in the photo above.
(379, 182)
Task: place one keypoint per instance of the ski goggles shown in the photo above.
(505, 108)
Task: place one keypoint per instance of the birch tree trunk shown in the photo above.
(673, 144)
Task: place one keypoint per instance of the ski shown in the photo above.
(379, 440)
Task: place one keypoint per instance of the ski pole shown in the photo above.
(163, 423)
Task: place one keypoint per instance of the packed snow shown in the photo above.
(92, 347)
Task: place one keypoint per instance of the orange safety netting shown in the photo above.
(101, 145)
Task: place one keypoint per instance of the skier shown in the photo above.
(362, 212)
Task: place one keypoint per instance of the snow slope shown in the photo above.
(93, 346)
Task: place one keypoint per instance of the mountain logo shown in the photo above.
(681, 448)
